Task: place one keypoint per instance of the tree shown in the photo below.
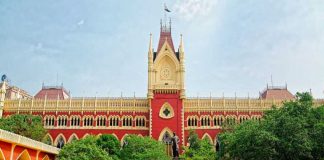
(198, 149)
(293, 131)
(30, 126)
(193, 140)
(142, 148)
(110, 144)
(289, 125)
(248, 141)
(316, 130)
(83, 149)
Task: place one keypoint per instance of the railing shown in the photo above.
(140, 104)
(29, 143)
(78, 104)
(233, 104)
(169, 86)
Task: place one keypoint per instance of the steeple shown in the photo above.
(150, 69)
(181, 48)
(2, 95)
(182, 69)
(165, 36)
(150, 50)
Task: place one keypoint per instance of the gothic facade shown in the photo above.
(165, 110)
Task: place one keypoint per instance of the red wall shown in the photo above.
(174, 123)
(6, 149)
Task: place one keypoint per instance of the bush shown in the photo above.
(30, 126)
(143, 148)
(84, 149)
(110, 144)
(198, 149)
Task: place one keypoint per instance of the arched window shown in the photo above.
(192, 121)
(75, 121)
(114, 121)
(127, 121)
(218, 120)
(256, 117)
(49, 121)
(207, 136)
(205, 121)
(88, 121)
(101, 121)
(62, 121)
(166, 138)
(73, 137)
(60, 143)
(140, 122)
(243, 118)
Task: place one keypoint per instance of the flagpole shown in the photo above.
(165, 16)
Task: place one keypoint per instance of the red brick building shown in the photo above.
(165, 110)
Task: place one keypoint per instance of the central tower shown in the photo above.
(166, 66)
(166, 88)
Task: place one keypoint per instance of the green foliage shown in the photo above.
(316, 131)
(110, 144)
(143, 148)
(260, 142)
(26, 125)
(198, 149)
(47, 140)
(294, 131)
(193, 140)
(108, 147)
(83, 149)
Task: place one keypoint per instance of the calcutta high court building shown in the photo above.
(165, 110)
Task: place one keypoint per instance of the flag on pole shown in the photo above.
(166, 8)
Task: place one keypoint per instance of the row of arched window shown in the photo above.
(140, 122)
(127, 121)
(62, 121)
(114, 121)
(101, 121)
(205, 121)
(218, 120)
(75, 121)
(61, 140)
(49, 121)
(88, 121)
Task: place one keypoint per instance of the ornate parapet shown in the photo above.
(78, 104)
(233, 104)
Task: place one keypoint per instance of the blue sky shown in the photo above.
(100, 47)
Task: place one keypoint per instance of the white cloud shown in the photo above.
(81, 22)
(190, 9)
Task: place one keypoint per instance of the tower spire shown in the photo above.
(165, 35)
(150, 44)
(150, 68)
(2, 96)
(182, 68)
(181, 47)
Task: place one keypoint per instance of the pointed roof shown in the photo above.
(52, 92)
(276, 93)
(165, 36)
